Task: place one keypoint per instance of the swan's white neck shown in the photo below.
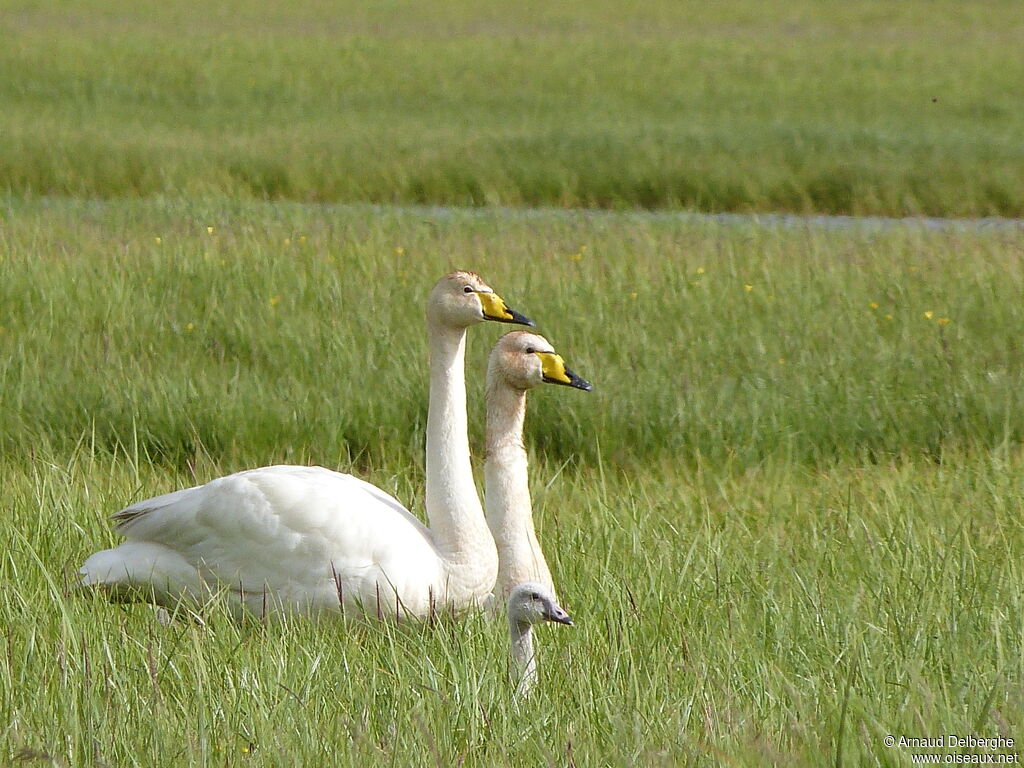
(524, 661)
(453, 507)
(507, 492)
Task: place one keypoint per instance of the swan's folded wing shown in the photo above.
(290, 529)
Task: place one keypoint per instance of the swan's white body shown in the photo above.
(518, 362)
(301, 539)
(306, 539)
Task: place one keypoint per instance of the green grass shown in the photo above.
(704, 339)
(860, 107)
(722, 618)
(786, 524)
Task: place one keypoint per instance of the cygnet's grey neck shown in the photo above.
(521, 636)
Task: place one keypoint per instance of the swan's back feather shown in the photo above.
(295, 531)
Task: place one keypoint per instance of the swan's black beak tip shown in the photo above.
(521, 319)
(578, 382)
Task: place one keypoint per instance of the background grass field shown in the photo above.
(787, 520)
(870, 106)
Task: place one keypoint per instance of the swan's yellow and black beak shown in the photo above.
(495, 308)
(556, 372)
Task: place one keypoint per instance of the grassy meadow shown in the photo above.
(787, 521)
(864, 107)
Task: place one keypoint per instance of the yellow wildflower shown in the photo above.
(399, 251)
(190, 327)
(888, 317)
(873, 305)
(158, 240)
(943, 320)
(275, 300)
(748, 287)
(209, 230)
(633, 295)
(700, 270)
(928, 315)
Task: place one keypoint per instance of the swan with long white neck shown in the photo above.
(518, 362)
(307, 539)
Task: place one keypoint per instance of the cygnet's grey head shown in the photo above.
(531, 603)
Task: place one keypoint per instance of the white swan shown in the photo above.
(308, 539)
(528, 604)
(519, 361)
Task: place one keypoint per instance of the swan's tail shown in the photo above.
(142, 567)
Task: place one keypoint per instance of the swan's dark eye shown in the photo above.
(535, 596)
(530, 350)
(467, 289)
